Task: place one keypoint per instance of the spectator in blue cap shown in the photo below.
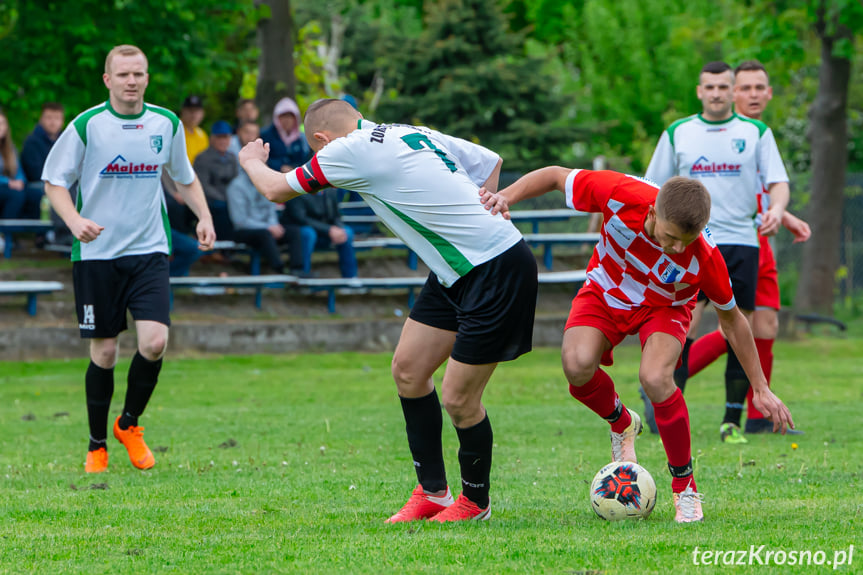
(216, 167)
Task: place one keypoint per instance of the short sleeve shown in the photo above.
(63, 164)
(589, 191)
(715, 282)
(663, 164)
(178, 165)
(770, 165)
(479, 162)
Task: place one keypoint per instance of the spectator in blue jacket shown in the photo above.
(35, 150)
(12, 179)
(288, 147)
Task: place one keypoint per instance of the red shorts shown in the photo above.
(589, 309)
(767, 287)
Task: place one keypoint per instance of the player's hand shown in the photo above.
(770, 222)
(773, 409)
(85, 230)
(495, 203)
(206, 235)
(338, 235)
(796, 226)
(256, 150)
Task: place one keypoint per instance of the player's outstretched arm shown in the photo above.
(736, 328)
(531, 185)
(270, 183)
(193, 196)
(83, 229)
(796, 226)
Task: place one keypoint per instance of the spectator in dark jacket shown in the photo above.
(256, 219)
(319, 213)
(216, 168)
(33, 154)
(288, 146)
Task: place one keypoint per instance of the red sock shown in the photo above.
(706, 349)
(672, 419)
(599, 396)
(765, 356)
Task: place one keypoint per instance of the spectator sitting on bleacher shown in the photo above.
(322, 228)
(12, 180)
(216, 168)
(33, 154)
(288, 147)
(256, 219)
(247, 111)
(191, 115)
(184, 248)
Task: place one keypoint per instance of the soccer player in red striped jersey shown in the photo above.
(752, 92)
(653, 256)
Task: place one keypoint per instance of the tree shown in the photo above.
(55, 51)
(836, 23)
(276, 60)
(468, 76)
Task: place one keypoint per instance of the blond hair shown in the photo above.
(685, 203)
(123, 50)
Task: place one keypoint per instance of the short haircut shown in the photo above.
(685, 203)
(751, 66)
(53, 106)
(122, 50)
(716, 68)
(243, 101)
(244, 123)
(328, 114)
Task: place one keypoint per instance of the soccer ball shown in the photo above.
(622, 490)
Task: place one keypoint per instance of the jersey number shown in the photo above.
(419, 141)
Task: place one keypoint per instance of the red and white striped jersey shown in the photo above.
(628, 268)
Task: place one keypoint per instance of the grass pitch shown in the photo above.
(291, 464)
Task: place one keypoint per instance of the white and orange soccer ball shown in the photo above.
(623, 490)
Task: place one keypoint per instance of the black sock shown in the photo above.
(424, 424)
(143, 375)
(681, 374)
(99, 387)
(474, 457)
(736, 387)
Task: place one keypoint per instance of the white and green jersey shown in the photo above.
(733, 158)
(117, 161)
(423, 185)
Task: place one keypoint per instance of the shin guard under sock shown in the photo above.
(142, 378)
(474, 458)
(736, 386)
(599, 396)
(99, 388)
(681, 374)
(672, 419)
(765, 356)
(424, 423)
(706, 349)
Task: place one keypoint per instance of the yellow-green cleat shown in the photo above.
(730, 433)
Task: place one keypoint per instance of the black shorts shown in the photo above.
(742, 264)
(491, 308)
(105, 289)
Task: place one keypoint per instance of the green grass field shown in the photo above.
(291, 464)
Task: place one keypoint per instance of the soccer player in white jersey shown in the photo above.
(477, 306)
(732, 156)
(652, 257)
(752, 92)
(116, 152)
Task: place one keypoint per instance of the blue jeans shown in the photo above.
(32, 208)
(347, 258)
(11, 202)
(185, 251)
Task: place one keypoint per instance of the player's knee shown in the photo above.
(765, 324)
(577, 370)
(154, 347)
(104, 353)
(657, 384)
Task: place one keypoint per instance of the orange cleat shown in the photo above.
(421, 505)
(463, 510)
(97, 461)
(133, 440)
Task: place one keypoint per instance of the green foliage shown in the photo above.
(465, 75)
(55, 51)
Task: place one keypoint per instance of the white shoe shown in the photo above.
(623, 444)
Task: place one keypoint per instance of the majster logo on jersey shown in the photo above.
(702, 167)
(119, 167)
